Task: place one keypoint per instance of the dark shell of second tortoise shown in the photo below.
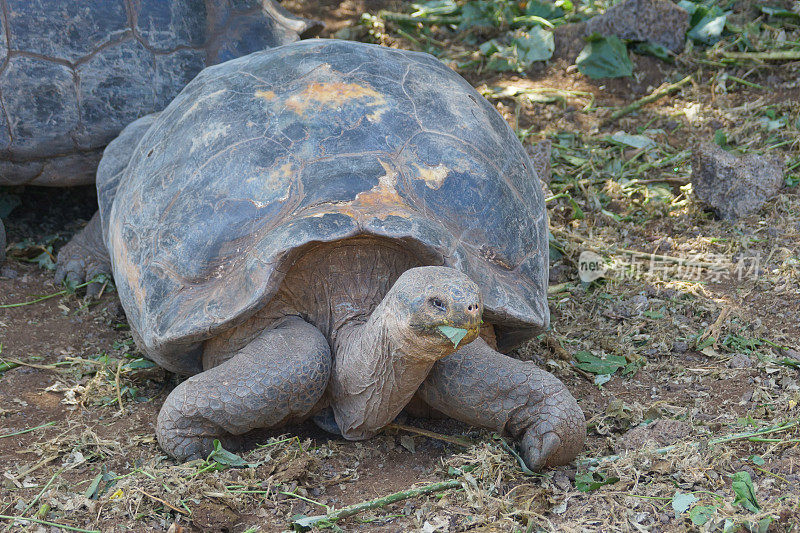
(74, 73)
(313, 142)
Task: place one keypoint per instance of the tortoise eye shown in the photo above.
(437, 303)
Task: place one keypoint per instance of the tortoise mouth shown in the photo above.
(458, 334)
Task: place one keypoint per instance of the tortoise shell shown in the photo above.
(74, 73)
(313, 142)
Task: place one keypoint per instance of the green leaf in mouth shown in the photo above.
(454, 334)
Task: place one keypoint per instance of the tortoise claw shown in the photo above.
(536, 450)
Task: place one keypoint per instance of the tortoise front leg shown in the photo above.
(84, 257)
(280, 376)
(485, 388)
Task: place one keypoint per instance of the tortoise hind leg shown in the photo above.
(485, 388)
(279, 377)
(84, 257)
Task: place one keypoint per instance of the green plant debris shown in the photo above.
(604, 57)
(593, 480)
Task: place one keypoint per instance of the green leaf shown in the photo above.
(546, 10)
(757, 460)
(690, 7)
(682, 501)
(707, 24)
(720, 138)
(590, 481)
(655, 50)
(454, 334)
(634, 141)
(745, 492)
(91, 491)
(224, 457)
(602, 379)
(791, 363)
(604, 57)
(140, 363)
(701, 514)
(44, 260)
(607, 364)
(523, 50)
(437, 7)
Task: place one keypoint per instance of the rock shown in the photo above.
(658, 21)
(734, 186)
(680, 347)
(656, 434)
(740, 360)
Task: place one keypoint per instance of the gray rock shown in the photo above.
(680, 347)
(662, 432)
(657, 21)
(740, 360)
(734, 186)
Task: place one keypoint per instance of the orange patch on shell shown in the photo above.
(381, 201)
(265, 95)
(332, 94)
(433, 176)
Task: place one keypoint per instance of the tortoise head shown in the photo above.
(438, 310)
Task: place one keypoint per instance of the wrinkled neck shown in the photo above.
(376, 371)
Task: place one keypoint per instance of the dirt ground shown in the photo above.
(704, 336)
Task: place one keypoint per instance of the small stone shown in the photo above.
(734, 186)
(561, 481)
(680, 347)
(662, 432)
(740, 360)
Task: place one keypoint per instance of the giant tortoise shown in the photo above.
(74, 73)
(333, 228)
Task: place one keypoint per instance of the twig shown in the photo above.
(745, 82)
(27, 430)
(559, 288)
(458, 441)
(35, 467)
(47, 297)
(777, 55)
(309, 500)
(652, 97)
(116, 383)
(308, 522)
(159, 500)
(17, 362)
(429, 19)
(719, 440)
(46, 523)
